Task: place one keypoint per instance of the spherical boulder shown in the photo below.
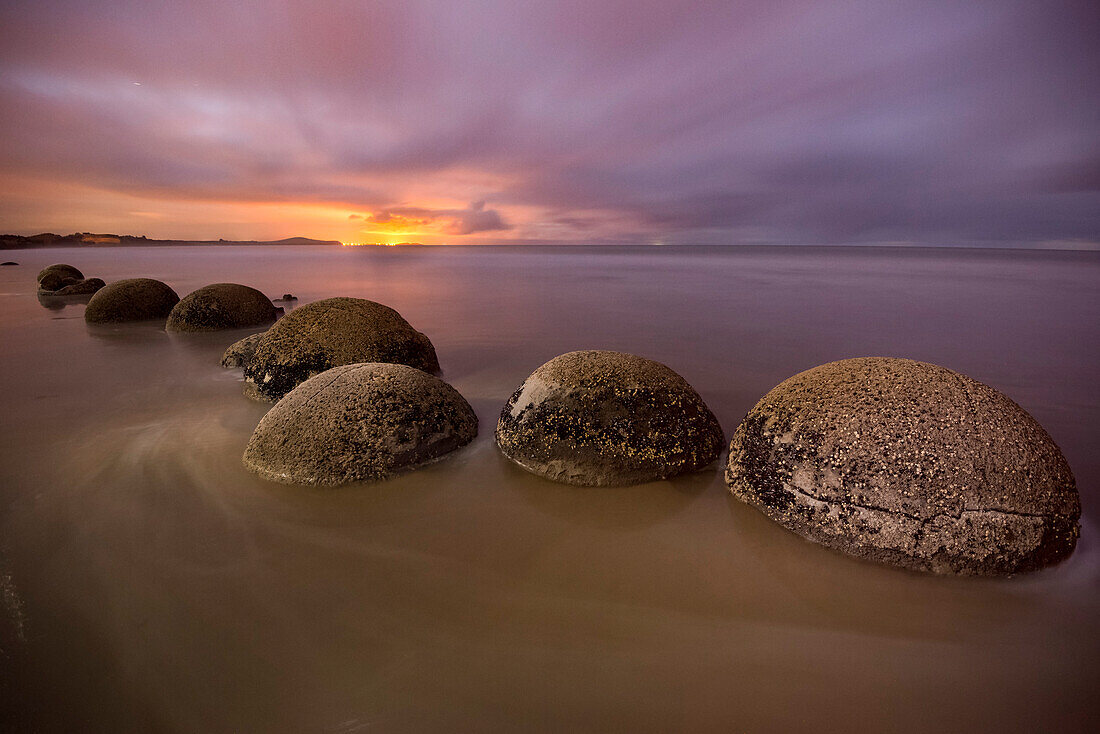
(85, 287)
(133, 299)
(359, 422)
(58, 276)
(239, 352)
(221, 306)
(67, 271)
(329, 333)
(598, 418)
(909, 464)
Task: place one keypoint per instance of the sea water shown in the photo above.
(149, 582)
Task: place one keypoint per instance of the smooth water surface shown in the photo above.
(149, 583)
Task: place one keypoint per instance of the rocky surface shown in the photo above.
(600, 418)
(53, 277)
(85, 287)
(359, 422)
(329, 333)
(910, 464)
(134, 299)
(239, 352)
(221, 306)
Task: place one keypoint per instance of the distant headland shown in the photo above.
(91, 239)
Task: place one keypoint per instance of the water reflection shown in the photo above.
(56, 303)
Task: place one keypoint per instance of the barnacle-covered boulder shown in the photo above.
(601, 418)
(221, 306)
(359, 422)
(910, 464)
(329, 333)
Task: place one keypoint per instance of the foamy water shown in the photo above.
(150, 583)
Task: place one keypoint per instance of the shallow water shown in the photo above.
(150, 583)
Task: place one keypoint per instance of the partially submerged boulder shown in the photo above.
(329, 333)
(62, 269)
(85, 287)
(239, 352)
(909, 464)
(221, 306)
(600, 418)
(134, 299)
(58, 276)
(359, 422)
(8, 262)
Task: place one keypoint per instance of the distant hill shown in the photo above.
(92, 239)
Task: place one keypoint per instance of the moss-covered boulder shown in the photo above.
(239, 352)
(359, 422)
(329, 333)
(133, 299)
(600, 418)
(221, 306)
(910, 464)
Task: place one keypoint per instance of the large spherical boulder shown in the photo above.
(359, 422)
(221, 306)
(134, 299)
(329, 333)
(599, 418)
(910, 464)
(239, 352)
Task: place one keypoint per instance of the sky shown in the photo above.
(486, 121)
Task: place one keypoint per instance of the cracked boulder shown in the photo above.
(598, 418)
(53, 277)
(221, 306)
(329, 333)
(909, 464)
(359, 422)
(133, 299)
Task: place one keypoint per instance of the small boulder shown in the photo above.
(58, 276)
(910, 464)
(359, 422)
(329, 333)
(597, 418)
(288, 297)
(239, 352)
(8, 262)
(85, 287)
(133, 299)
(221, 306)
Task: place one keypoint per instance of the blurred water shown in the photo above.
(150, 583)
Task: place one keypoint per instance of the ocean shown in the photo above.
(149, 582)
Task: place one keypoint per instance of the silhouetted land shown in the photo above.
(90, 239)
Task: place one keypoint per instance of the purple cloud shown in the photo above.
(693, 121)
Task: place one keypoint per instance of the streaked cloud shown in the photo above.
(689, 121)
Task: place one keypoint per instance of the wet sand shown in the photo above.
(151, 583)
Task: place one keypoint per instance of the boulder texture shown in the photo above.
(909, 464)
(134, 299)
(221, 306)
(239, 352)
(329, 333)
(359, 422)
(58, 276)
(599, 418)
